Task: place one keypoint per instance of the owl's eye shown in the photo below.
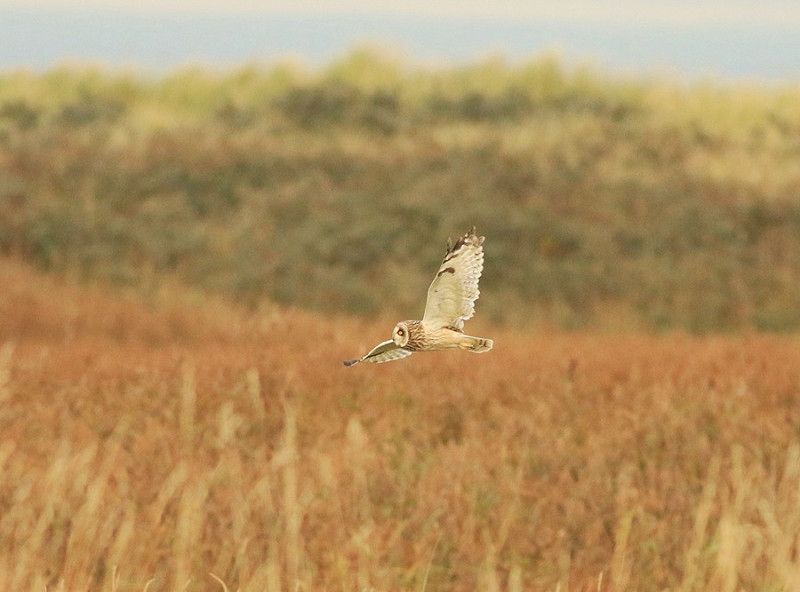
(400, 332)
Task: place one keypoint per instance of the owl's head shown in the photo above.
(400, 334)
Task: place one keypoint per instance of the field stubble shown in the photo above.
(186, 445)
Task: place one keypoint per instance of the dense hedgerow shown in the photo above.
(605, 202)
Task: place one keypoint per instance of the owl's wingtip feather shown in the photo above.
(351, 362)
(468, 238)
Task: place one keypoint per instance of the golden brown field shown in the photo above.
(180, 443)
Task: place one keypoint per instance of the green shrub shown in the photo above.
(679, 207)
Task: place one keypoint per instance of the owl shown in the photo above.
(451, 301)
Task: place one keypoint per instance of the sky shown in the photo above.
(781, 12)
(735, 39)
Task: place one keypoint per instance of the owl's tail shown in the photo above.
(479, 345)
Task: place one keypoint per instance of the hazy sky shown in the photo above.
(744, 39)
(763, 12)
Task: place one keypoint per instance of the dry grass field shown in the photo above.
(179, 443)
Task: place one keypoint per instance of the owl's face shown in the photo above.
(400, 335)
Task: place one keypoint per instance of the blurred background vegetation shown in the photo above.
(606, 202)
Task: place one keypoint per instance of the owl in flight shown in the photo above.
(451, 301)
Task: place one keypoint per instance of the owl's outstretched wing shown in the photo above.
(454, 290)
(383, 352)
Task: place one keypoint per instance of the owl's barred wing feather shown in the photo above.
(454, 290)
(383, 352)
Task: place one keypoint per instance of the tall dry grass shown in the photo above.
(187, 445)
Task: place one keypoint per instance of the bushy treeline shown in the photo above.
(604, 201)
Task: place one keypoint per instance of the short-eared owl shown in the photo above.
(451, 301)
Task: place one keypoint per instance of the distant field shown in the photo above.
(181, 443)
(606, 202)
